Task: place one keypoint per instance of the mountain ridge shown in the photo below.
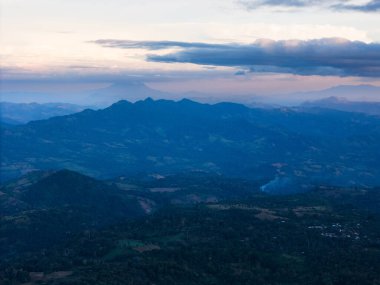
(342, 104)
(167, 136)
(21, 113)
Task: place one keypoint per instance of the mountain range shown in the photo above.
(21, 113)
(95, 96)
(360, 93)
(135, 90)
(342, 104)
(168, 137)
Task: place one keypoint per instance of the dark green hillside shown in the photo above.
(326, 236)
(42, 209)
(69, 188)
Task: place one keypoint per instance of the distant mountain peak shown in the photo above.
(368, 86)
(132, 91)
(343, 104)
(187, 101)
(148, 100)
(126, 84)
(331, 99)
(21, 113)
(121, 103)
(336, 99)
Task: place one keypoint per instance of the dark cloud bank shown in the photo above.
(331, 56)
(338, 5)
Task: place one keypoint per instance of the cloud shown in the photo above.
(372, 6)
(84, 67)
(337, 5)
(331, 56)
(150, 45)
(253, 4)
(240, 73)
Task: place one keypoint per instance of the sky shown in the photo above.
(213, 46)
